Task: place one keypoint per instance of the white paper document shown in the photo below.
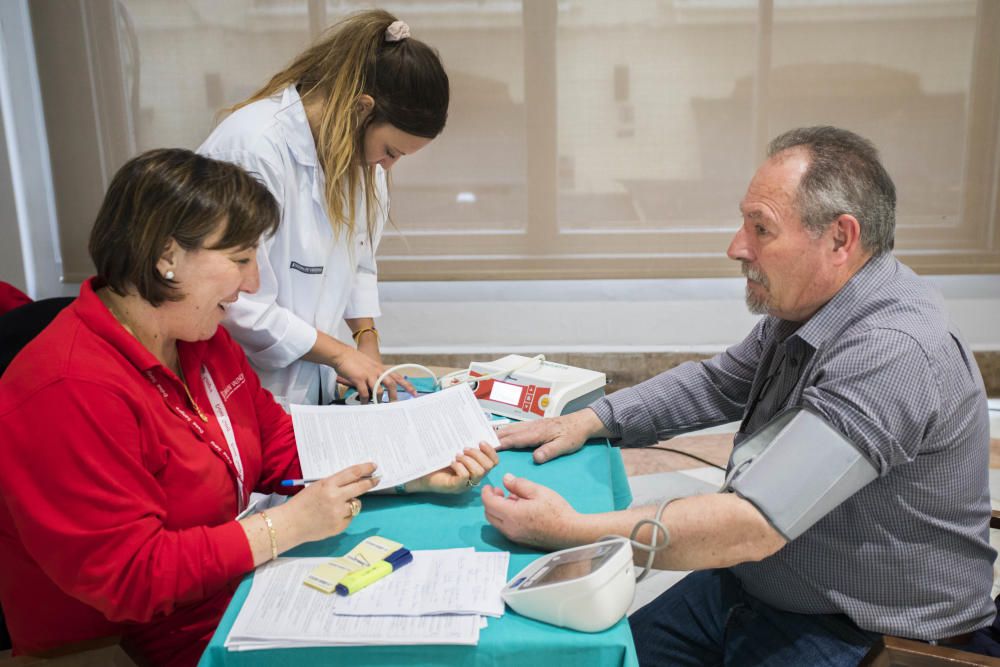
(280, 611)
(371, 631)
(440, 581)
(260, 502)
(407, 439)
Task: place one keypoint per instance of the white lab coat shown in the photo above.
(309, 280)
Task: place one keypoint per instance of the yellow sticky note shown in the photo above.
(325, 577)
(373, 549)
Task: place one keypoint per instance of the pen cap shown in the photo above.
(399, 558)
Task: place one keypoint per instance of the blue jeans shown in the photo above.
(708, 619)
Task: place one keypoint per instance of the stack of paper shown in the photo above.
(442, 597)
(406, 439)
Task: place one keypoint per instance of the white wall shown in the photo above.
(614, 315)
(11, 264)
(28, 207)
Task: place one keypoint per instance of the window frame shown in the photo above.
(85, 127)
(544, 251)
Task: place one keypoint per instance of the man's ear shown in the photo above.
(845, 237)
(364, 106)
(169, 259)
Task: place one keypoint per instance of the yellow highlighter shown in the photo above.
(355, 581)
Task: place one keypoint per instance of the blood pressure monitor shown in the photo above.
(522, 388)
(514, 387)
(587, 588)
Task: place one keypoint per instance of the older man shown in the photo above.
(860, 341)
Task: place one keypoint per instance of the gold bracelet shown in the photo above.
(357, 334)
(272, 534)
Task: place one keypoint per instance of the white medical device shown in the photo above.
(587, 588)
(514, 387)
(525, 388)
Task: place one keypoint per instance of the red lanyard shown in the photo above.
(242, 497)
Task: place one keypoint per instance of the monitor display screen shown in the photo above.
(566, 567)
(504, 392)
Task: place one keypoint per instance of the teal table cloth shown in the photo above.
(592, 480)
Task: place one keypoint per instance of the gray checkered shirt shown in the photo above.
(908, 554)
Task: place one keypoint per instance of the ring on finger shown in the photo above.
(355, 506)
(469, 483)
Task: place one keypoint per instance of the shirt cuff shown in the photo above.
(364, 297)
(299, 338)
(232, 558)
(626, 417)
(602, 407)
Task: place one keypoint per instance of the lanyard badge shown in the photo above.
(232, 456)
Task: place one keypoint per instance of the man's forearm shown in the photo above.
(707, 531)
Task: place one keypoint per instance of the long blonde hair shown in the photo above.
(352, 58)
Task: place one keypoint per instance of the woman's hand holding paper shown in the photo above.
(467, 470)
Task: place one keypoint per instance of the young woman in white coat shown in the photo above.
(321, 135)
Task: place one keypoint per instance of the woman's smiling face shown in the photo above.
(210, 279)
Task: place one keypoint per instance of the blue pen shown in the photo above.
(310, 480)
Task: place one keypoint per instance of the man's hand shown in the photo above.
(554, 437)
(532, 514)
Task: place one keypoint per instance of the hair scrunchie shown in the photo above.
(397, 31)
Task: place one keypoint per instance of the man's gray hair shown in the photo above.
(844, 175)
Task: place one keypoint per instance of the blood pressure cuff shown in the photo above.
(796, 469)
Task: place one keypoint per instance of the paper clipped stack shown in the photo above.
(443, 597)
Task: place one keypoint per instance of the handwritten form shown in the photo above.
(407, 439)
(425, 602)
(444, 581)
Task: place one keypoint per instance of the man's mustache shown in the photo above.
(754, 274)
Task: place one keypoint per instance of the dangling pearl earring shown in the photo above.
(169, 275)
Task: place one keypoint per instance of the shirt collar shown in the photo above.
(830, 319)
(96, 316)
(295, 126)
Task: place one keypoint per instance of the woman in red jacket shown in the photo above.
(134, 430)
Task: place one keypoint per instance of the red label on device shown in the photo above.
(522, 397)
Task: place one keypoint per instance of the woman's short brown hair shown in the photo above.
(173, 193)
